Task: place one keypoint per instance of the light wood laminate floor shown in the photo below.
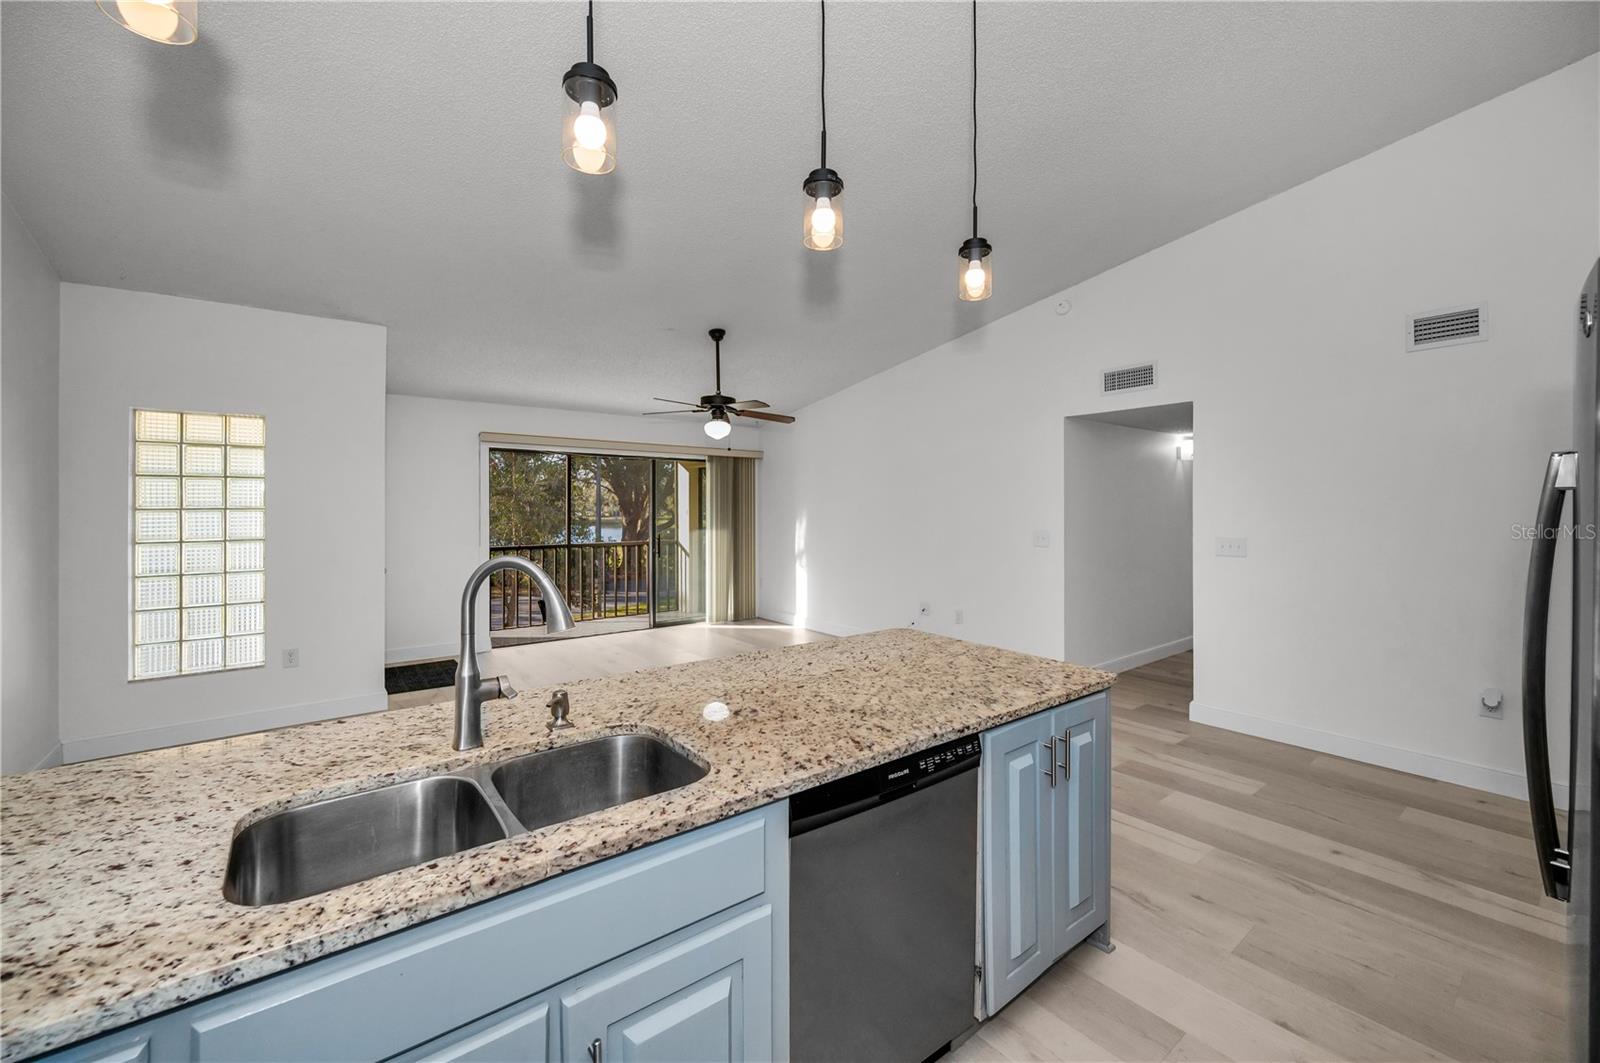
(1274, 903)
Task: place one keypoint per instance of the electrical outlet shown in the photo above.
(1041, 538)
(291, 658)
(961, 616)
(1229, 546)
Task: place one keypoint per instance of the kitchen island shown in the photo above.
(113, 901)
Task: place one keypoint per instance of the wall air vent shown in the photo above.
(1444, 328)
(1129, 378)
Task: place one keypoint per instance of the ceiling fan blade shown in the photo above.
(662, 413)
(680, 402)
(780, 418)
(748, 404)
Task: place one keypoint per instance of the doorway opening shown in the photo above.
(1129, 537)
(623, 537)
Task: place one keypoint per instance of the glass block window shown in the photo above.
(199, 551)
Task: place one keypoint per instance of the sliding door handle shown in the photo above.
(1555, 870)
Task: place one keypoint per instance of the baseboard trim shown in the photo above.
(77, 749)
(51, 758)
(811, 623)
(416, 654)
(1140, 658)
(1411, 761)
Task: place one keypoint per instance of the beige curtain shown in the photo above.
(731, 546)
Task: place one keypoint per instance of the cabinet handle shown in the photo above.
(1066, 755)
(1050, 760)
(597, 1051)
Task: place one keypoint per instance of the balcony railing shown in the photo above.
(600, 581)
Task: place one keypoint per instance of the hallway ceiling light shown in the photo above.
(589, 133)
(823, 229)
(975, 279)
(165, 21)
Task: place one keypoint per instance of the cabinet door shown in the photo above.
(1018, 938)
(1079, 847)
(520, 1032)
(705, 998)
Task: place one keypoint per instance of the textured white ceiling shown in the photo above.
(397, 163)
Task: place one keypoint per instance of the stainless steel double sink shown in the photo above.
(306, 850)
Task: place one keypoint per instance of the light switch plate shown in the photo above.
(291, 658)
(1233, 546)
(1041, 538)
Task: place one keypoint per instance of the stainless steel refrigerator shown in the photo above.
(1567, 518)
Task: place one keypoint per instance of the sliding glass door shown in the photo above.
(680, 541)
(622, 536)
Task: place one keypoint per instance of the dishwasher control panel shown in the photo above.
(944, 756)
(816, 807)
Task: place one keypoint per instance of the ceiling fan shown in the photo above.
(720, 405)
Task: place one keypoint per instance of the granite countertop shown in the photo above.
(112, 869)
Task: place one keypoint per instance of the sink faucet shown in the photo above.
(472, 690)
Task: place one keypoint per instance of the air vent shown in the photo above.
(1129, 378)
(1443, 328)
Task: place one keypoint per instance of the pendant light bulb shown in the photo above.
(164, 21)
(588, 129)
(589, 133)
(975, 281)
(823, 229)
(823, 218)
(824, 221)
(718, 427)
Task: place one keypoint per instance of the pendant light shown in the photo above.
(823, 229)
(975, 279)
(589, 133)
(166, 21)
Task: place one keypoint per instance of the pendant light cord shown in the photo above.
(589, 26)
(823, 86)
(974, 119)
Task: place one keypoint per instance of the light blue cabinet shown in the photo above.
(1017, 913)
(707, 997)
(1046, 842)
(674, 951)
(520, 1032)
(1082, 811)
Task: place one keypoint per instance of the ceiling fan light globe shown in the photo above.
(718, 428)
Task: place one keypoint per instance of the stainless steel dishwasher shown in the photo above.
(883, 871)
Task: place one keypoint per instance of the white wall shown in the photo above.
(1377, 488)
(320, 384)
(29, 374)
(1128, 545)
(436, 505)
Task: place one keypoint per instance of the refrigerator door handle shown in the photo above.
(1555, 867)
